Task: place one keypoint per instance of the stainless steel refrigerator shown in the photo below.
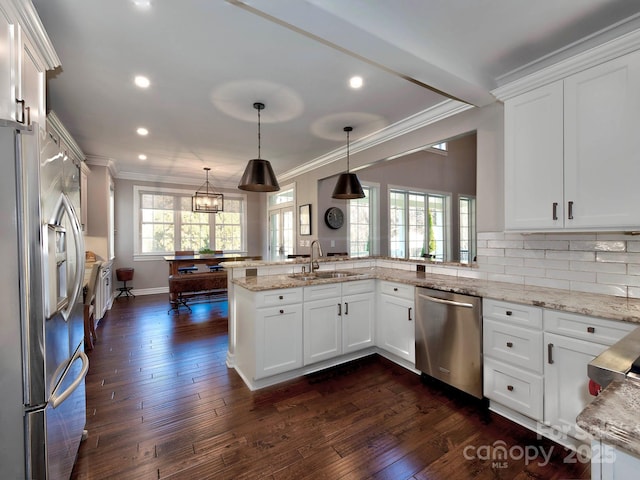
(42, 359)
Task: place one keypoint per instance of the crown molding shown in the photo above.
(429, 116)
(108, 162)
(150, 178)
(54, 123)
(30, 23)
(617, 47)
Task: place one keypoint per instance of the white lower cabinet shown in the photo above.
(278, 339)
(535, 364)
(395, 329)
(609, 462)
(337, 319)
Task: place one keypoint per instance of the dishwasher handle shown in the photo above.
(446, 302)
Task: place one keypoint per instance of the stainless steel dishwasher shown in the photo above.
(449, 338)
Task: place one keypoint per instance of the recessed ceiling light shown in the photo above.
(355, 82)
(142, 156)
(142, 131)
(141, 81)
(142, 3)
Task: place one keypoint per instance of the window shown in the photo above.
(467, 229)
(418, 224)
(281, 223)
(165, 223)
(361, 224)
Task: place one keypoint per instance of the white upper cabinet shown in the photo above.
(534, 155)
(571, 151)
(602, 145)
(26, 53)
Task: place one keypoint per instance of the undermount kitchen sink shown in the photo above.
(321, 274)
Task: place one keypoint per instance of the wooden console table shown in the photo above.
(207, 259)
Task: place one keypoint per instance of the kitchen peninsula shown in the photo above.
(273, 335)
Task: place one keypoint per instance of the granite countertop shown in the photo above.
(603, 306)
(613, 416)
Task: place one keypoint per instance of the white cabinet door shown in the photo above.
(31, 86)
(322, 327)
(602, 114)
(396, 327)
(7, 66)
(357, 322)
(533, 159)
(566, 384)
(278, 339)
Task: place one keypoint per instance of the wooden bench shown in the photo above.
(184, 286)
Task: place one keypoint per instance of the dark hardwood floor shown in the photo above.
(161, 403)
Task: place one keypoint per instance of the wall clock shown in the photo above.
(334, 218)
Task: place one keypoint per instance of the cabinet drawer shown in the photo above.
(358, 286)
(599, 330)
(513, 345)
(513, 313)
(514, 388)
(319, 292)
(399, 290)
(282, 296)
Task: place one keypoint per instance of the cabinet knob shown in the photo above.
(510, 344)
(510, 388)
(591, 329)
(280, 297)
(281, 311)
(509, 313)
(395, 289)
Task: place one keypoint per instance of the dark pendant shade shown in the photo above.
(348, 187)
(259, 177)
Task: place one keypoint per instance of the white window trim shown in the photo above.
(139, 256)
(447, 210)
(374, 219)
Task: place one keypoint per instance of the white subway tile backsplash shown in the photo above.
(524, 253)
(599, 246)
(505, 261)
(525, 271)
(598, 267)
(538, 263)
(546, 244)
(569, 255)
(472, 273)
(618, 257)
(498, 277)
(606, 263)
(615, 279)
(491, 252)
(547, 282)
(615, 290)
(572, 275)
(505, 243)
(437, 270)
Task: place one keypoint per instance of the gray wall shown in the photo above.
(487, 122)
(152, 273)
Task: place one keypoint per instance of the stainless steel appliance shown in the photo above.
(42, 392)
(449, 338)
(618, 362)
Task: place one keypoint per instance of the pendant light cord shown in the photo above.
(347, 151)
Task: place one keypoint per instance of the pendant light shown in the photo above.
(348, 186)
(206, 200)
(258, 175)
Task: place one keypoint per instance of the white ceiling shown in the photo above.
(210, 60)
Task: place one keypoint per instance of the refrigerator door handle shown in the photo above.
(56, 399)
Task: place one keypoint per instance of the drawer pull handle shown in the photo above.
(510, 388)
(410, 314)
(570, 210)
(346, 308)
(339, 309)
(281, 311)
(509, 313)
(555, 210)
(550, 353)
(281, 297)
(591, 329)
(22, 109)
(510, 344)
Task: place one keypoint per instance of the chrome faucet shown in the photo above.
(313, 264)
